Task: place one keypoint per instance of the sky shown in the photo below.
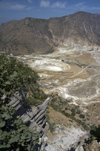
(19, 9)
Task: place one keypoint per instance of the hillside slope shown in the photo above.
(32, 35)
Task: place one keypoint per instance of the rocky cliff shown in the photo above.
(32, 35)
(33, 117)
(69, 139)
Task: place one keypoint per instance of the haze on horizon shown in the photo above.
(19, 9)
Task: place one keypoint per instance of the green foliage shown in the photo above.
(66, 108)
(56, 102)
(73, 111)
(77, 120)
(82, 116)
(13, 76)
(31, 101)
(96, 133)
(78, 112)
(51, 124)
(55, 107)
(37, 93)
(14, 135)
(36, 96)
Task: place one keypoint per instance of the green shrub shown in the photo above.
(82, 116)
(55, 107)
(78, 112)
(13, 76)
(73, 112)
(96, 133)
(51, 124)
(77, 120)
(31, 101)
(14, 135)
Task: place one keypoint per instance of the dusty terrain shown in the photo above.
(75, 77)
(41, 36)
(71, 74)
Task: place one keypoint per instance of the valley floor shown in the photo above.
(75, 77)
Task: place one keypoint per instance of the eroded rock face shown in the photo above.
(92, 147)
(75, 78)
(43, 36)
(33, 117)
(72, 74)
(69, 139)
(72, 71)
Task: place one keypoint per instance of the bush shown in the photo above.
(14, 135)
(77, 120)
(82, 116)
(96, 133)
(78, 112)
(31, 101)
(73, 112)
(13, 76)
(51, 125)
(55, 107)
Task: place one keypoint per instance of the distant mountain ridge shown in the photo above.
(31, 35)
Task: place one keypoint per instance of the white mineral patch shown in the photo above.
(98, 90)
(55, 81)
(85, 97)
(64, 139)
(76, 81)
(43, 75)
(97, 56)
(65, 50)
(50, 64)
(54, 68)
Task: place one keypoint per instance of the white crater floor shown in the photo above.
(78, 79)
(53, 68)
(50, 64)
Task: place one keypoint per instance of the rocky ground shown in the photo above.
(74, 76)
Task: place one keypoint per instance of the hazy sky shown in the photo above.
(19, 9)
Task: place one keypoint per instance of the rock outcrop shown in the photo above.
(32, 35)
(33, 117)
(94, 146)
(67, 139)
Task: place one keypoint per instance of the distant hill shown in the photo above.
(32, 35)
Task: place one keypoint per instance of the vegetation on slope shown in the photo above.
(70, 111)
(14, 75)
